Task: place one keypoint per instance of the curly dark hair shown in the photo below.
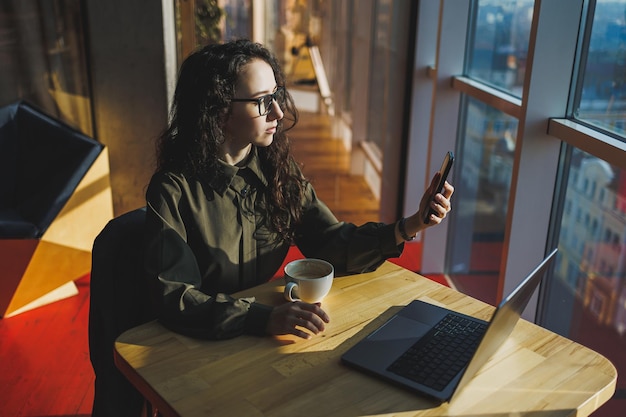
(190, 144)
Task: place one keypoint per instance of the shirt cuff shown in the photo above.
(257, 318)
(388, 246)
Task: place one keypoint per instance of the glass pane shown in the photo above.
(586, 298)
(47, 38)
(499, 43)
(388, 66)
(296, 27)
(481, 198)
(602, 95)
(237, 18)
(381, 66)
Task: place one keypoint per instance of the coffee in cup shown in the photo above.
(308, 280)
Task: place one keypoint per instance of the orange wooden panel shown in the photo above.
(50, 266)
(15, 255)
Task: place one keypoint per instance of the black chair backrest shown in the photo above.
(120, 300)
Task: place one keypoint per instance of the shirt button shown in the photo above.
(244, 192)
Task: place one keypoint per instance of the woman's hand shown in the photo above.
(291, 318)
(440, 205)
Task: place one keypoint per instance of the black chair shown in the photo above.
(52, 178)
(119, 301)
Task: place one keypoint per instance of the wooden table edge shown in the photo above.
(142, 386)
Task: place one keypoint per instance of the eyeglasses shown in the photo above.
(265, 102)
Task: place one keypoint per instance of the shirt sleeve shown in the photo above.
(350, 248)
(176, 279)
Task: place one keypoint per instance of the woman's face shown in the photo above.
(244, 126)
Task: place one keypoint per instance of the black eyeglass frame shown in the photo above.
(268, 98)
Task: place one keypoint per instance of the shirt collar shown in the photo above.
(226, 172)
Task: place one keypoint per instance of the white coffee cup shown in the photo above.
(308, 280)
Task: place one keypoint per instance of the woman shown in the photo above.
(227, 201)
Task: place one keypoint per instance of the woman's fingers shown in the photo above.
(291, 318)
(441, 203)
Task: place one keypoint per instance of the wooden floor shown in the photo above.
(45, 369)
(44, 366)
(326, 163)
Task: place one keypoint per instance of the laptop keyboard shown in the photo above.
(440, 354)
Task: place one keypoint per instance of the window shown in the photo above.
(48, 38)
(486, 153)
(551, 74)
(584, 298)
(601, 95)
(387, 71)
(587, 309)
(499, 43)
(497, 49)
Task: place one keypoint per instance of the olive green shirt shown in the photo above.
(207, 239)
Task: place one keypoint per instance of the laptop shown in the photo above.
(398, 351)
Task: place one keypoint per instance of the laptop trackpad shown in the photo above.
(400, 328)
(378, 350)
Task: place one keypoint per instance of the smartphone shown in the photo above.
(444, 171)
